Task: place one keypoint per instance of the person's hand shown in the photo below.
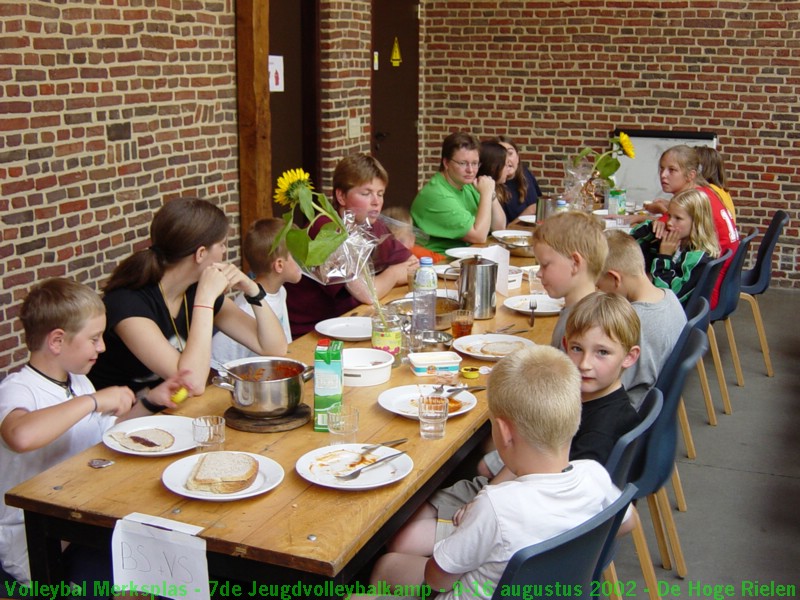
(657, 207)
(669, 243)
(212, 284)
(238, 280)
(659, 229)
(162, 393)
(459, 516)
(115, 400)
(399, 272)
(485, 186)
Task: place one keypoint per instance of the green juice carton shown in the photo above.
(328, 381)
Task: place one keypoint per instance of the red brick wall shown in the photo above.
(106, 110)
(559, 75)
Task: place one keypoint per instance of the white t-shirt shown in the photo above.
(224, 349)
(515, 514)
(31, 391)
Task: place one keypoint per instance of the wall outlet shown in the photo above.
(353, 127)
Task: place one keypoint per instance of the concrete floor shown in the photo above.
(743, 489)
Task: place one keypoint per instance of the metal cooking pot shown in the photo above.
(264, 386)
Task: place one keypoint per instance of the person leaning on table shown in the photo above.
(457, 208)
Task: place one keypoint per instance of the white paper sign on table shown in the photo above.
(159, 556)
(499, 255)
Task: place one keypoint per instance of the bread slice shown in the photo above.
(144, 440)
(223, 473)
(501, 348)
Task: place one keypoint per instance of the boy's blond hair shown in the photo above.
(611, 313)
(57, 303)
(703, 235)
(257, 244)
(538, 389)
(625, 256)
(574, 231)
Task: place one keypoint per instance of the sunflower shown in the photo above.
(626, 145)
(289, 184)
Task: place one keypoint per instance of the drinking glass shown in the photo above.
(432, 417)
(209, 433)
(342, 425)
(461, 323)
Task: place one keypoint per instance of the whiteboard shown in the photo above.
(639, 176)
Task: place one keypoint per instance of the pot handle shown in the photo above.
(223, 383)
(307, 373)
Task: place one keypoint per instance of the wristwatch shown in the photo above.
(256, 300)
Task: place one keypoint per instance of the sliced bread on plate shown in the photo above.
(223, 473)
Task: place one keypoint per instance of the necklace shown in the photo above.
(65, 385)
(171, 320)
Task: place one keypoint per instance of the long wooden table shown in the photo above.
(298, 531)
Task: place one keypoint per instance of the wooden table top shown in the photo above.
(297, 524)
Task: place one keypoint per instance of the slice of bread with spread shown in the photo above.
(144, 440)
(223, 473)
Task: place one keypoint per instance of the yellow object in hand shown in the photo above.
(179, 396)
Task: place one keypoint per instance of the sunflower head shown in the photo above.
(290, 184)
(626, 145)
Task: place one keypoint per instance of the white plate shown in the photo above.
(502, 234)
(527, 218)
(471, 344)
(600, 212)
(447, 271)
(179, 427)
(319, 466)
(545, 305)
(174, 477)
(466, 252)
(349, 329)
(403, 400)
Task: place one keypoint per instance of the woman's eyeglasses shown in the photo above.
(462, 164)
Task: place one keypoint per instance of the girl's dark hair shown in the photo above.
(493, 163)
(711, 166)
(519, 174)
(178, 229)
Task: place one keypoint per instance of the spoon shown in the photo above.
(458, 390)
(353, 474)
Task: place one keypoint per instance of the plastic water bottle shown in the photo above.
(424, 317)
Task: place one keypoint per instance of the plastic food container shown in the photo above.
(362, 367)
(514, 278)
(434, 363)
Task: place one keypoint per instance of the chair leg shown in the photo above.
(762, 335)
(691, 452)
(658, 529)
(723, 386)
(737, 364)
(677, 487)
(610, 575)
(672, 532)
(645, 561)
(710, 410)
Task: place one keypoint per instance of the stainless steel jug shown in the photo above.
(476, 286)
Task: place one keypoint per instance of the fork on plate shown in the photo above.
(532, 305)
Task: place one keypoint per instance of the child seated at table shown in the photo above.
(399, 222)
(659, 311)
(535, 410)
(272, 268)
(49, 410)
(571, 250)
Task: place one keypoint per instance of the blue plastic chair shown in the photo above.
(569, 560)
(726, 306)
(755, 281)
(625, 453)
(658, 461)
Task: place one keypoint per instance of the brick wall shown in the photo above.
(559, 75)
(106, 110)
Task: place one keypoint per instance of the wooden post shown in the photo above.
(252, 91)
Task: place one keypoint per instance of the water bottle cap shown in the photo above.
(426, 260)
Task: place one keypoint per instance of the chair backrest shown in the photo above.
(698, 315)
(699, 320)
(658, 458)
(756, 280)
(732, 281)
(624, 452)
(707, 281)
(570, 559)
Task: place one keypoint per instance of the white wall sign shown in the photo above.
(275, 73)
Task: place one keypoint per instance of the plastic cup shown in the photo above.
(209, 433)
(342, 425)
(461, 323)
(432, 417)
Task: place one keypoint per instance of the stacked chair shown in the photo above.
(755, 281)
(570, 560)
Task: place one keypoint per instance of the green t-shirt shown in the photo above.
(445, 213)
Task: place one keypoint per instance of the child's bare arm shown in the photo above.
(24, 431)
